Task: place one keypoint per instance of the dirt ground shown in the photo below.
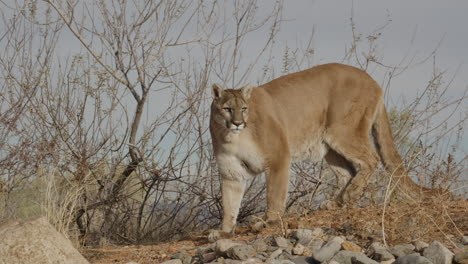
(445, 222)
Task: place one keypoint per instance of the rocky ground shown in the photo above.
(406, 234)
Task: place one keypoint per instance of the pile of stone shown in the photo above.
(305, 246)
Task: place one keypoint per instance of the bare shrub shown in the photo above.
(124, 121)
(25, 56)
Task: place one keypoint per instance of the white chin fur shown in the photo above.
(236, 129)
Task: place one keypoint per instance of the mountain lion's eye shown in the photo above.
(227, 109)
(244, 109)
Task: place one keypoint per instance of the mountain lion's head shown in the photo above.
(230, 108)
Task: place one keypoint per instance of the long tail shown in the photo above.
(403, 187)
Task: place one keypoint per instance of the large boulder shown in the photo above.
(36, 241)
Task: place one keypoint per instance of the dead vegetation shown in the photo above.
(109, 140)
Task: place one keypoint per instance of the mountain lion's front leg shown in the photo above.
(232, 193)
(277, 179)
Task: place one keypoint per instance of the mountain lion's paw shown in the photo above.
(215, 235)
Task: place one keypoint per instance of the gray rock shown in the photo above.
(280, 261)
(317, 232)
(172, 261)
(329, 250)
(275, 254)
(315, 245)
(179, 255)
(35, 240)
(262, 256)
(208, 257)
(351, 257)
(287, 254)
(270, 240)
(252, 261)
(259, 245)
(438, 254)
(241, 252)
(402, 250)
(374, 246)
(304, 236)
(187, 260)
(347, 227)
(414, 258)
(378, 252)
(340, 239)
(382, 255)
(419, 246)
(203, 250)
(271, 248)
(303, 260)
(232, 261)
(287, 250)
(282, 242)
(221, 246)
(184, 256)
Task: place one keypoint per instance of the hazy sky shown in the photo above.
(429, 21)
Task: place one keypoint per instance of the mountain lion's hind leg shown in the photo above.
(343, 172)
(364, 159)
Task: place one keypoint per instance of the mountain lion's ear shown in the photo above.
(246, 91)
(217, 91)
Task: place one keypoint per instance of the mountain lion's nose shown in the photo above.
(237, 123)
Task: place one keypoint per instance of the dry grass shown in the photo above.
(60, 201)
(444, 221)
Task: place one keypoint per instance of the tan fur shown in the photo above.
(326, 112)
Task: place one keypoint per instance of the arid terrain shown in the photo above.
(445, 222)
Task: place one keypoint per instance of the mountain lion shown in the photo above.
(328, 112)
